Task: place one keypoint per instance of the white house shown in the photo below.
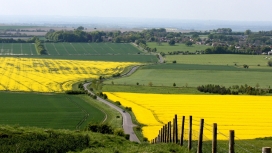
(269, 53)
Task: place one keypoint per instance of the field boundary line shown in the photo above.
(93, 49)
(110, 48)
(11, 51)
(21, 48)
(75, 48)
(55, 48)
(84, 49)
(46, 49)
(31, 49)
(86, 114)
(65, 49)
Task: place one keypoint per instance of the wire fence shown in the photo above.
(208, 138)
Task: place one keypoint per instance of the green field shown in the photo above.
(253, 61)
(90, 49)
(17, 49)
(198, 70)
(147, 89)
(165, 47)
(59, 111)
(80, 51)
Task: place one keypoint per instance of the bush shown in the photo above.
(269, 63)
(174, 61)
(145, 139)
(75, 92)
(118, 102)
(116, 75)
(128, 108)
(138, 128)
(119, 132)
(48, 141)
(127, 136)
(100, 128)
(245, 66)
(94, 96)
(105, 96)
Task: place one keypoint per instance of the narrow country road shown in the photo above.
(127, 122)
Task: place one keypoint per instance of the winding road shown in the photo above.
(127, 121)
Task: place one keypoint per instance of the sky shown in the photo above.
(231, 10)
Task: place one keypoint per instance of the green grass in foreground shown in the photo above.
(28, 139)
(25, 139)
(59, 111)
(193, 75)
(165, 47)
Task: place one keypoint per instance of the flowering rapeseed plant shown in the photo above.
(249, 116)
(49, 75)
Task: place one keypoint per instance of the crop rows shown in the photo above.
(90, 49)
(249, 116)
(69, 49)
(17, 49)
(47, 75)
(47, 110)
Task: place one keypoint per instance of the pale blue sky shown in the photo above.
(237, 10)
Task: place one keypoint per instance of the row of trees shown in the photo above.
(11, 40)
(234, 90)
(233, 50)
(40, 47)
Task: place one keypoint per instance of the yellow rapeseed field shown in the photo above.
(249, 116)
(50, 75)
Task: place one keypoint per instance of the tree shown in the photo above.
(269, 63)
(172, 42)
(188, 43)
(150, 84)
(174, 84)
(80, 28)
(248, 32)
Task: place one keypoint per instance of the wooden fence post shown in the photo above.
(190, 133)
(168, 132)
(170, 138)
(176, 129)
(200, 137)
(182, 130)
(214, 140)
(231, 141)
(266, 150)
(163, 134)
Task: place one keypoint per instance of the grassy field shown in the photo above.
(253, 61)
(165, 47)
(90, 49)
(17, 49)
(193, 75)
(99, 143)
(147, 89)
(79, 51)
(59, 111)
